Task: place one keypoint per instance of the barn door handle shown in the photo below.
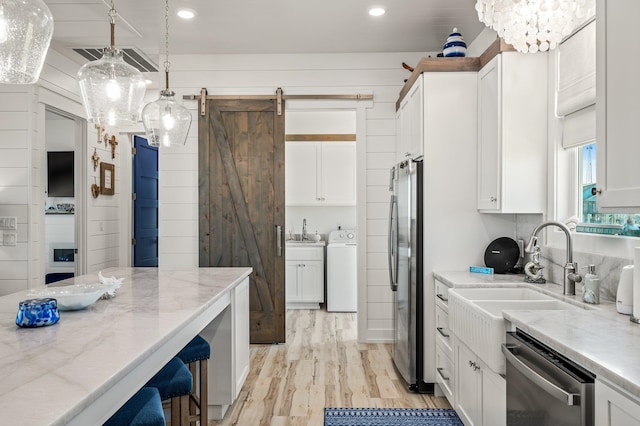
(278, 240)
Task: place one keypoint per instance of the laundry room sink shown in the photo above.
(475, 317)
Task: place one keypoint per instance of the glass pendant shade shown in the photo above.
(533, 25)
(26, 28)
(165, 121)
(112, 90)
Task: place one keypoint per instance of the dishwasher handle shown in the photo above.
(544, 384)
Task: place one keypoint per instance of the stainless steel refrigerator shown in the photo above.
(406, 273)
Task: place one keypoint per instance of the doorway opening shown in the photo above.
(321, 204)
(63, 221)
(145, 203)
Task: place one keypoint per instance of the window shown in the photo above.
(592, 221)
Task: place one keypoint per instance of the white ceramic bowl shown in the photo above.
(73, 297)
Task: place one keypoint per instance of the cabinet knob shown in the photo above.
(596, 191)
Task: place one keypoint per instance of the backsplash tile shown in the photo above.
(608, 268)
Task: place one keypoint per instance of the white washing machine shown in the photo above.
(342, 271)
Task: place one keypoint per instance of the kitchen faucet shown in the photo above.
(571, 277)
(304, 230)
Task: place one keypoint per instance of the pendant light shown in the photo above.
(112, 90)
(26, 28)
(166, 121)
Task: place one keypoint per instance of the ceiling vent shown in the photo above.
(131, 56)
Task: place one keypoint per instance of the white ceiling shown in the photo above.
(265, 26)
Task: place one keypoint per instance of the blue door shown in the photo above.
(145, 204)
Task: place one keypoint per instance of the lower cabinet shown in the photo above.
(480, 393)
(614, 406)
(304, 277)
(444, 353)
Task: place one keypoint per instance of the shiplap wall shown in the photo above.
(16, 110)
(379, 74)
(23, 181)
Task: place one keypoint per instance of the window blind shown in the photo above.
(579, 128)
(576, 80)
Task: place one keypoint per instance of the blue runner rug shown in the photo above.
(390, 417)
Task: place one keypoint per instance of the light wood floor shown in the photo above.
(321, 365)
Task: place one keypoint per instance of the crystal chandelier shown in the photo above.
(26, 28)
(166, 121)
(533, 25)
(112, 90)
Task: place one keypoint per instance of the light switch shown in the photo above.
(10, 238)
(9, 222)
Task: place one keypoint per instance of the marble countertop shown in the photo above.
(598, 337)
(296, 243)
(50, 375)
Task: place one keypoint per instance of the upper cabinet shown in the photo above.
(512, 133)
(618, 89)
(320, 173)
(409, 123)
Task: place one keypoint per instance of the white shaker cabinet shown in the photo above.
(617, 111)
(512, 133)
(468, 385)
(615, 406)
(480, 393)
(304, 277)
(445, 378)
(320, 173)
(410, 120)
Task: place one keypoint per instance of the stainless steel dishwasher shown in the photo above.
(544, 387)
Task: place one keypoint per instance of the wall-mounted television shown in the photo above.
(60, 169)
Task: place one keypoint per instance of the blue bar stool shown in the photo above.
(174, 382)
(144, 408)
(196, 354)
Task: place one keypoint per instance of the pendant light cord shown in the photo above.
(112, 22)
(167, 64)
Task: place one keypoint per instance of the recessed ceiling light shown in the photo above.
(147, 81)
(186, 13)
(376, 11)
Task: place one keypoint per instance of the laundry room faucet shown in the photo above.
(304, 230)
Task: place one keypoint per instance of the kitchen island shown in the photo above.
(82, 369)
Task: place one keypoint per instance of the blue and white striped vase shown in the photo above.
(455, 45)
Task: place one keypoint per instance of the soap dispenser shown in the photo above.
(591, 289)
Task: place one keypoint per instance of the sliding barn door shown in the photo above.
(241, 197)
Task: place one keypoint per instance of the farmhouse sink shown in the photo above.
(475, 317)
(502, 293)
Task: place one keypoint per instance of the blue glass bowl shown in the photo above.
(37, 312)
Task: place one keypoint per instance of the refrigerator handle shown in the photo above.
(392, 254)
(392, 174)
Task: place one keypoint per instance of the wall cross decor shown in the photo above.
(100, 129)
(96, 159)
(113, 143)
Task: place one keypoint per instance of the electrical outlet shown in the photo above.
(10, 238)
